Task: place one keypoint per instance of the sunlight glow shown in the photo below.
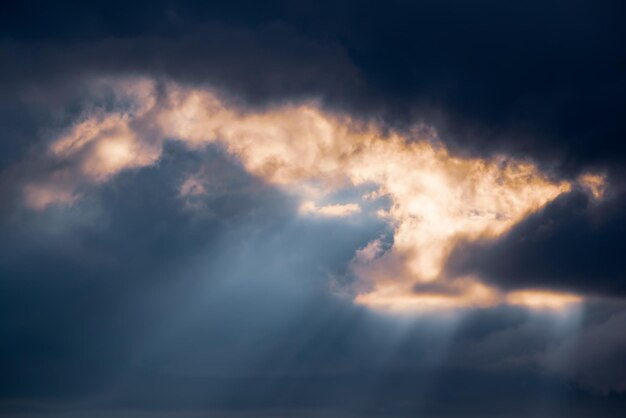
(437, 199)
(544, 300)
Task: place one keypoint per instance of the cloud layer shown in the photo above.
(312, 209)
(435, 199)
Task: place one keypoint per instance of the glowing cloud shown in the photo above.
(310, 208)
(436, 198)
(539, 299)
(596, 184)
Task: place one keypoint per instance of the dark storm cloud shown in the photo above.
(593, 356)
(137, 301)
(545, 81)
(573, 244)
(541, 81)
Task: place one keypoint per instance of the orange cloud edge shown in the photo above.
(436, 198)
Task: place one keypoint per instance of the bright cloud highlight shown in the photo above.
(437, 199)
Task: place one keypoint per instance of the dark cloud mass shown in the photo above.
(541, 80)
(194, 281)
(572, 244)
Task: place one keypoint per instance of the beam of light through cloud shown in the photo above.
(436, 199)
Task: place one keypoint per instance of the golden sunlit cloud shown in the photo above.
(539, 299)
(436, 199)
(595, 183)
(309, 207)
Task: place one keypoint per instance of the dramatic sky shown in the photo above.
(313, 209)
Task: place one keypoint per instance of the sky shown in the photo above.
(312, 209)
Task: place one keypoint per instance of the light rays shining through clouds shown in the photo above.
(435, 199)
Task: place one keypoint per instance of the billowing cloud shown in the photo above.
(436, 199)
(204, 206)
